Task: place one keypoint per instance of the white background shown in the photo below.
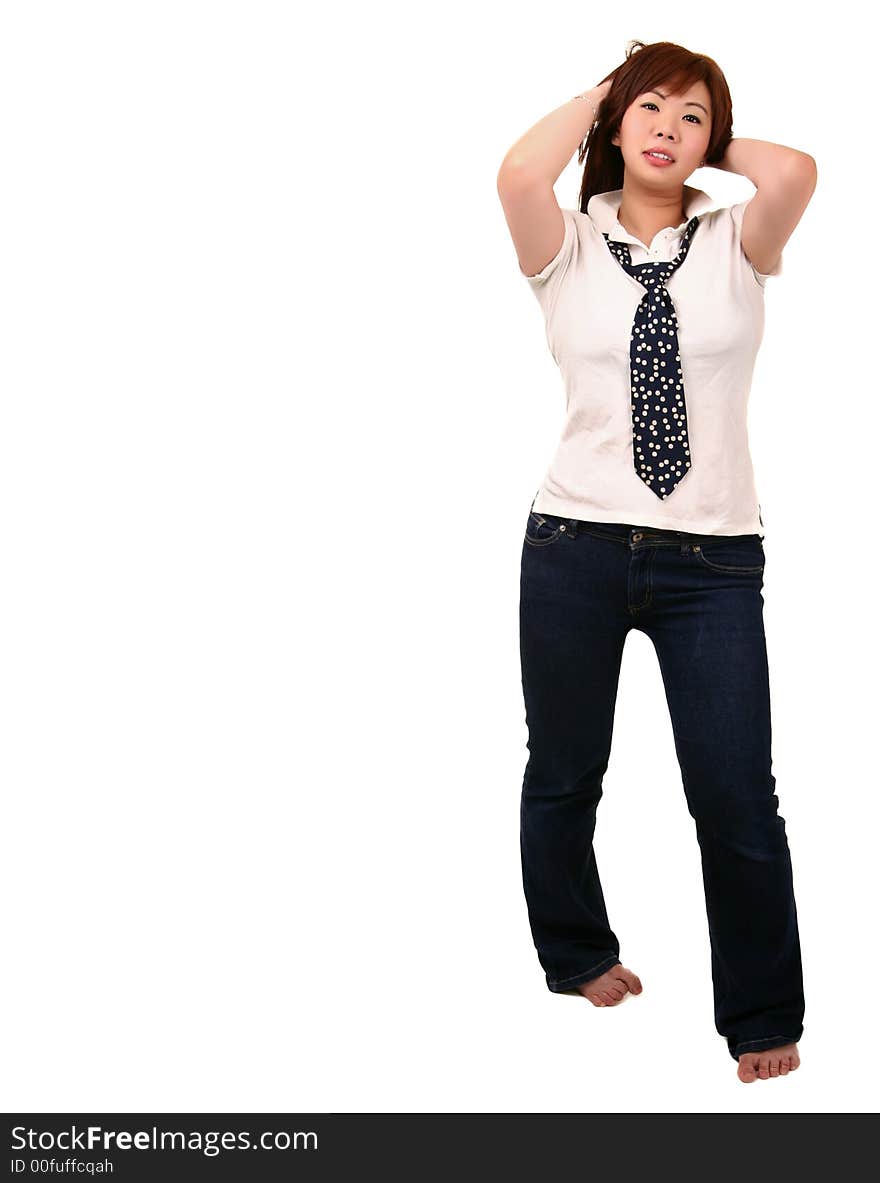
(276, 400)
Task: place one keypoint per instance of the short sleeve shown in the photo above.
(547, 283)
(737, 213)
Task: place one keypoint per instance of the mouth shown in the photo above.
(658, 160)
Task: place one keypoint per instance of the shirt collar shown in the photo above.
(603, 209)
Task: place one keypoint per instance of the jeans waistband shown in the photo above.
(632, 531)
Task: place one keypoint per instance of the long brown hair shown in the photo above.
(654, 66)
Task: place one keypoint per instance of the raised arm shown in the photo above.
(785, 179)
(529, 171)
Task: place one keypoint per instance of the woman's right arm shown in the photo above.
(531, 168)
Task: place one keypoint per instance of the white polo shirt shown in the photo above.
(589, 303)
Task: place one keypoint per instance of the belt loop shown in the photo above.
(573, 527)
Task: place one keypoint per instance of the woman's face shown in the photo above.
(678, 124)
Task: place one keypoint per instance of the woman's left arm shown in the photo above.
(785, 179)
(765, 163)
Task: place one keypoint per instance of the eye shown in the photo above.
(690, 114)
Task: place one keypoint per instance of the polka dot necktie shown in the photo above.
(661, 454)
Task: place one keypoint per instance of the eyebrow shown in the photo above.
(663, 96)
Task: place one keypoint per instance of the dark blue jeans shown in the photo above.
(584, 585)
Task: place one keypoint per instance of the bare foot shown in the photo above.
(611, 987)
(775, 1061)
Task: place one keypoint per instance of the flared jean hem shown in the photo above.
(564, 985)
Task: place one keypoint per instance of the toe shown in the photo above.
(746, 1070)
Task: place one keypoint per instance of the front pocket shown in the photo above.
(744, 557)
(543, 528)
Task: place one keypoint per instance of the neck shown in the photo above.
(644, 211)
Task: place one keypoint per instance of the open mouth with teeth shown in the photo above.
(658, 155)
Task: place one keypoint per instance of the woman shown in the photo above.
(648, 519)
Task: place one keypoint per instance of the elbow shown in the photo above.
(513, 173)
(804, 168)
(506, 173)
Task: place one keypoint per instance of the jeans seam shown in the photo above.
(724, 567)
(544, 541)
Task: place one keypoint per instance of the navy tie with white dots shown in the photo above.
(661, 452)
